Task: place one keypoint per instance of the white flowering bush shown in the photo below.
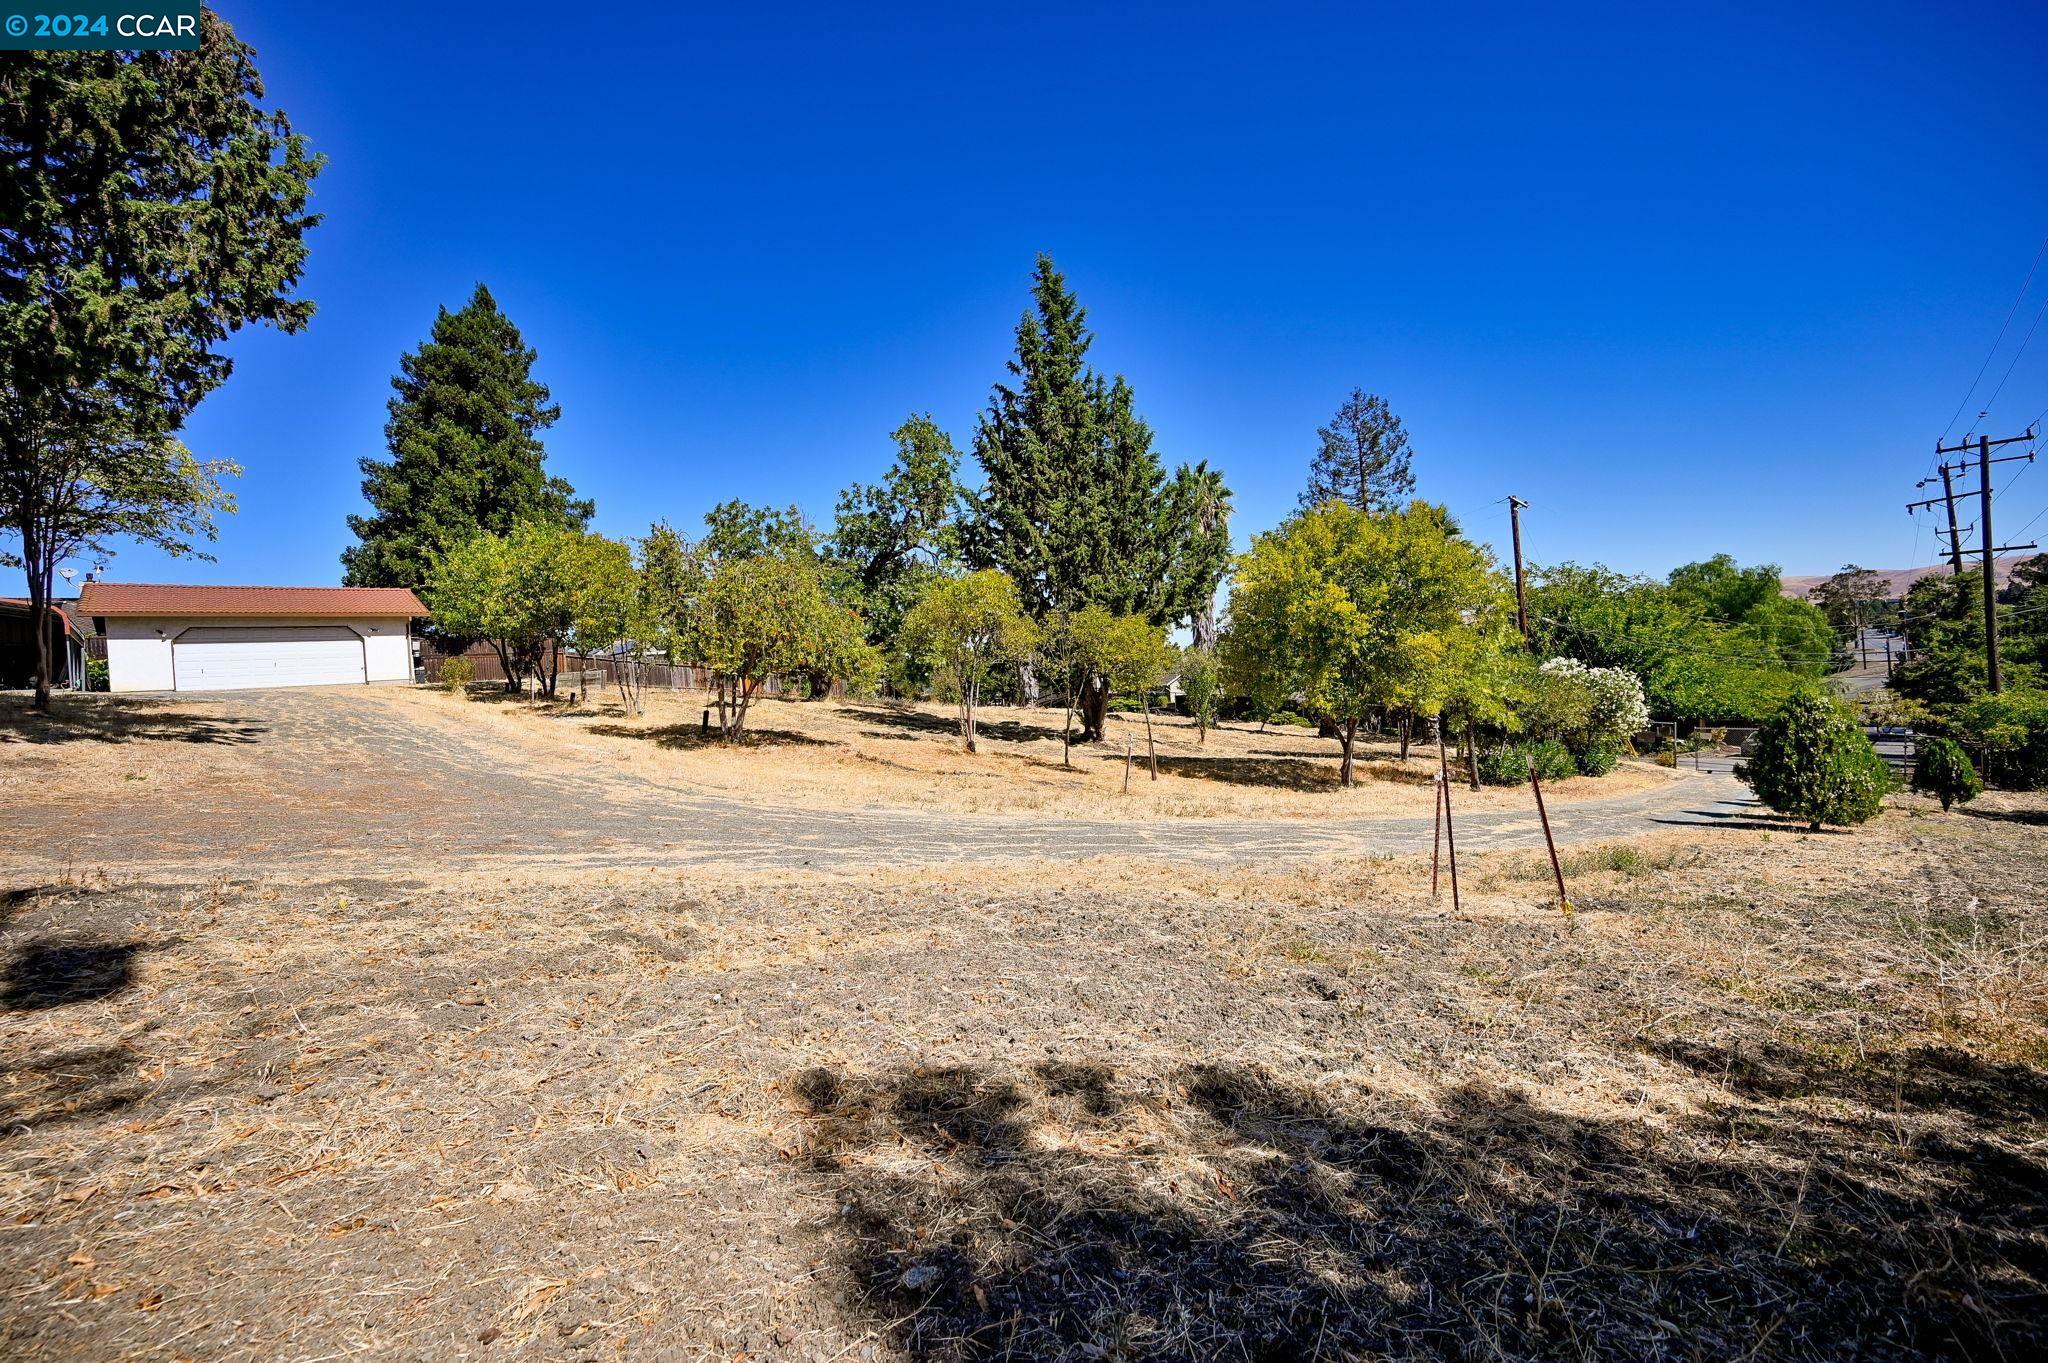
(1616, 711)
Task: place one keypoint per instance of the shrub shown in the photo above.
(1615, 707)
(1554, 761)
(1814, 763)
(1598, 760)
(2011, 730)
(1944, 771)
(1508, 764)
(457, 674)
(96, 674)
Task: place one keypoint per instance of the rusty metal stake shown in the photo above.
(1436, 837)
(1443, 770)
(1536, 784)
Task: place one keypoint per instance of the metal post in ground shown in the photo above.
(1436, 837)
(1536, 784)
(1443, 769)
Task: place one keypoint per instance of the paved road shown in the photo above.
(382, 790)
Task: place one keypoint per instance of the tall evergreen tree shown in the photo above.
(466, 454)
(151, 205)
(1361, 458)
(1075, 505)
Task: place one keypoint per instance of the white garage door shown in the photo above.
(229, 658)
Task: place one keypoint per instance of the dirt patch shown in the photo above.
(906, 755)
(1765, 1093)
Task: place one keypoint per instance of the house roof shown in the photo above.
(137, 598)
(19, 605)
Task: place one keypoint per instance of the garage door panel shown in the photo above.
(229, 657)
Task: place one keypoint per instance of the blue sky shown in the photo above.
(1689, 278)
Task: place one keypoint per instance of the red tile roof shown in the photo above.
(136, 598)
(12, 604)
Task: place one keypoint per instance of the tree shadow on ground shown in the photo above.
(1005, 730)
(1072, 1213)
(120, 719)
(1284, 773)
(691, 736)
(1920, 1077)
(2026, 816)
(68, 1086)
(1752, 816)
(51, 974)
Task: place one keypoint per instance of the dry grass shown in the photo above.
(868, 754)
(1765, 1095)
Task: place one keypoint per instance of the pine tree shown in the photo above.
(1363, 457)
(1076, 506)
(466, 455)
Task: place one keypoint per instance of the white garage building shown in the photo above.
(235, 638)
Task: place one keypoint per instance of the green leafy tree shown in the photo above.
(533, 592)
(470, 596)
(1352, 612)
(466, 457)
(1942, 769)
(2010, 729)
(759, 616)
(1721, 589)
(1362, 457)
(1075, 505)
(150, 207)
(961, 630)
(95, 487)
(1135, 660)
(893, 539)
(1943, 621)
(1691, 666)
(1201, 681)
(1814, 762)
(672, 577)
(737, 529)
(1853, 598)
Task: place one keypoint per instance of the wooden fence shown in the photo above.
(598, 671)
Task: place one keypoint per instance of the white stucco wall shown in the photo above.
(139, 649)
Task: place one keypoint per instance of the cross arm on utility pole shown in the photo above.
(1984, 443)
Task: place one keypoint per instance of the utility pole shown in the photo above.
(1947, 499)
(1955, 539)
(1986, 540)
(1515, 505)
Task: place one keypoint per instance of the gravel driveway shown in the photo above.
(308, 777)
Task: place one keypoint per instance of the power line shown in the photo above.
(1992, 401)
(2010, 313)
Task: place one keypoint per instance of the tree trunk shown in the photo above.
(968, 695)
(505, 664)
(1201, 729)
(1204, 626)
(1094, 709)
(1472, 754)
(1151, 752)
(1407, 731)
(1346, 772)
(39, 573)
(1027, 681)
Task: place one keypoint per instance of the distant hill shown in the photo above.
(1902, 579)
